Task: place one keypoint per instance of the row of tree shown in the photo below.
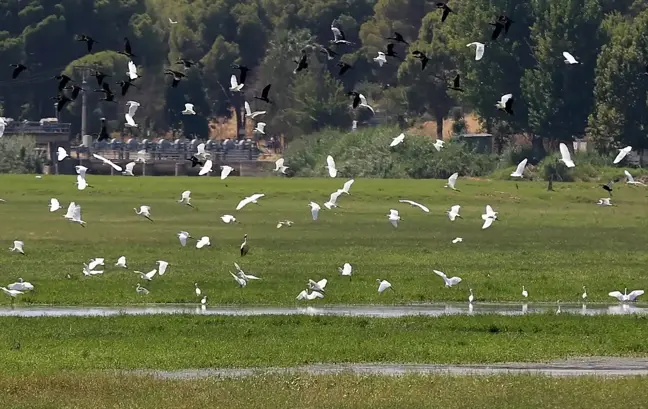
(605, 96)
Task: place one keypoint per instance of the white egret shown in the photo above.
(505, 103)
(203, 302)
(260, 127)
(240, 281)
(449, 282)
(89, 273)
(315, 208)
(471, 297)
(622, 154)
(457, 240)
(383, 285)
(197, 290)
(584, 295)
(81, 182)
(132, 70)
(172, 22)
(228, 218)
(61, 154)
(279, 166)
(332, 202)
(393, 217)
(569, 59)
(189, 109)
(11, 293)
(99, 261)
(330, 165)
(415, 204)
(452, 181)
(162, 267)
(519, 171)
(479, 49)
(397, 140)
(108, 162)
(304, 295)
(364, 104)
(204, 241)
(284, 223)
(76, 216)
(21, 285)
(201, 153)
(141, 290)
(81, 170)
(438, 144)
(346, 270)
(525, 293)
(129, 169)
(380, 59)
(225, 171)
(489, 217)
(132, 108)
(318, 285)
(206, 168)
(250, 114)
(185, 197)
(147, 276)
(604, 201)
(566, 156)
(144, 211)
(234, 85)
(183, 236)
(248, 200)
(70, 211)
(347, 186)
(625, 296)
(245, 247)
(631, 180)
(54, 205)
(121, 262)
(453, 213)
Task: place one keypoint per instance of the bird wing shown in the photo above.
(315, 208)
(70, 210)
(54, 203)
(383, 286)
(397, 140)
(183, 239)
(130, 166)
(440, 274)
(132, 70)
(233, 81)
(150, 274)
(569, 57)
(616, 294)
(635, 294)
(129, 120)
(564, 152)
(248, 110)
(347, 185)
(243, 203)
(256, 196)
(520, 167)
(206, 168)
(322, 283)
(489, 211)
(225, 171)
(454, 280)
(108, 162)
(330, 162)
(479, 50)
(622, 154)
(62, 154)
(487, 222)
(189, 107)
(363, 100)
(336, 33)
(335, 195)
(452, 180)
(629, 176)
(132, 107)
(279, 163)
(76, 214)
(455, 209)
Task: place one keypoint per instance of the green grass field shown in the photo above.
(551, 242)
(66, 390)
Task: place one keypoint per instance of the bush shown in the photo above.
(18, 154)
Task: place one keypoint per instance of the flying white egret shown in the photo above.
(338, 35)
(397, 140)
(147, 276)
(479, 49)
(457, 240)
(54, 205)
(471, 297)
(21, 285)
(183, 236)
(317, 285)
(225, 171)
(172, 22)
(453, 213)
(284, 223)
(519, 171)
(250, 114)
(330, 165)
(449, 282)
(228, 218)
(525, 293)
(70, 211)
(569, 59)
(129, 169)
(625, 296)
(61, 154)
(141, 290)
(240, 281)
(248, 200)
(452, 181)
(204, 241)
(363, 103)
(347, 186)
(132, 108)
(121, 262)
(206, 168)
(332, 202)
(185, 197)
(380, 59)
(132, 70)
(566, 156)
(234, 85)
(622, 154)
(346, 270)
(489, 217)
(89, 273)
(245, 247)
(260, 127)
(81, 182)
(393, 217)
(18, 246)
(631, 180)
(415, 204)
(162, 267)
(438, 144)
(76, 216)
(11, 293)
(141, 156)
(108, 162)
(99, 261)
(81, 170)
(315, 208)
(189, 109)
(243, 275)
(304, 295)
(604, 201)
(279, 166)
(584, 295)
(505, 103)
(144, 211)
(383, 285)
(201, 153)
(197, 290)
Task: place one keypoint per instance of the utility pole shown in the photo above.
(84, 70)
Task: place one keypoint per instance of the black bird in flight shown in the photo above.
(187, 63)
(398, 38)
(244, 70)
(264, 94)
(75, 91)
(109, 96)
(507, 23)
(424, 58)
(89, 41)
(498, 29)
(302, 63)
(125, 85)
(608, 187)
(195, 161)
(390, 51)
(177, 76)
(62, 100)
(18, 68)
(344, 67)
(128, 51)
(63, 81)
(356, 98)
(456, 84)
(446, 10)
(100, 77)
(103, 133)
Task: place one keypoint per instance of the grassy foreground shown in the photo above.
(319, 392)
(39, 345)
(551, 242)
